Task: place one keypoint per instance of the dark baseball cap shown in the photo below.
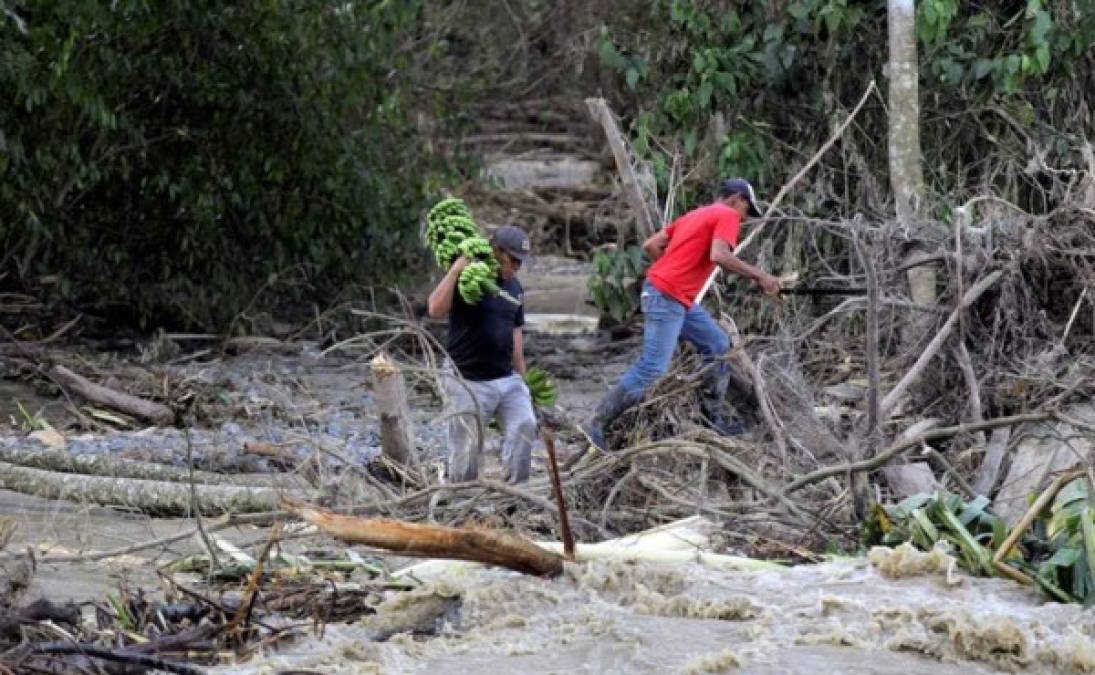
(512, 240)
(740, 186)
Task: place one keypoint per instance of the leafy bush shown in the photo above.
(160, 161)
(616, 281)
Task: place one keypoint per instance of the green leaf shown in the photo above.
(704, 95)
(983, 67)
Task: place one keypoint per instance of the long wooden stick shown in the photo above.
(557, 487)
(436, 541)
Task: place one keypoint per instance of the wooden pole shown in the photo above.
(557, 487)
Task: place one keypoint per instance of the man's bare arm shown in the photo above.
(655, 244)
(723, 256)
(440, 301)
(519, 351)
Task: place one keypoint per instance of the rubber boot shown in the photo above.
(711, 403)
(742, 398)
(617, 400)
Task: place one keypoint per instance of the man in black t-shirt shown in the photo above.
(485, 345)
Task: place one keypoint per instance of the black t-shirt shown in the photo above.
(481, 336)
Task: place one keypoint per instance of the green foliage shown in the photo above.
(163, 159)
(1058, 551)
(616, 281)
(925, 519)
(749, 88)
(1069, 531)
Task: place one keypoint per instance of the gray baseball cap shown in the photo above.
(740, 186)
(512, 240)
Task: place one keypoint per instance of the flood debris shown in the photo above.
(725, 661)
(132, 405)
(225, 615)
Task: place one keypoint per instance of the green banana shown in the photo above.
(541, 387)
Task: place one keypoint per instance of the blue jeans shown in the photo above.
(664, 320)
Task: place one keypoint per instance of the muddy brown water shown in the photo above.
(616, 617)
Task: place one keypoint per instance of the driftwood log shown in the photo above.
(39, 610)
(102, 465)
(150, 411)
(435, 541)
(150, 496)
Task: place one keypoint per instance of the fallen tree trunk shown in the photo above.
(435, 541)
(102, 465)
(138, 407)
(150, 496)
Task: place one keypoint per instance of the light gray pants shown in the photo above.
(506, 399)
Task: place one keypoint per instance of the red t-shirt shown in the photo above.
(684, 267)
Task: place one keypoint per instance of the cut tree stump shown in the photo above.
(150, 411)
(396, 426)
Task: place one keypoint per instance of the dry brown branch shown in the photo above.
(889, 403)
(638, 187)
(897, 448)
(131, 405)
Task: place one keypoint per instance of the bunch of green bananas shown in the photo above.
(448, 224)
(450, 207)
(541, 386)
(451, 233)
(476, 279)
(478, 248)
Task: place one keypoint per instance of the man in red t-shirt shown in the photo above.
(685, 254)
